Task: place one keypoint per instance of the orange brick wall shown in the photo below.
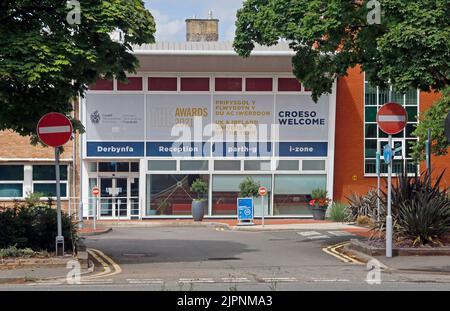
(349, 147)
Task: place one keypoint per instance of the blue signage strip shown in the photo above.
(242, 149)
(301, 149)
(178, 149)
(245, 208)
(115, 149)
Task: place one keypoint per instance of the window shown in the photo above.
(194, 165)
(258, 85)
(227, 165)
(228, 84)
(288, 165)
(225, 191)
(195, 84)
(257, 165)
(162, 165)
(289, 85)
(11, 181)
(374, 138)
(163, 84)
(293, 193)
(44, 180)
(102, 85)
(133, 84)
(313, 165)
(170, 194)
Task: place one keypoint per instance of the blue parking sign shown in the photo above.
(245, 208)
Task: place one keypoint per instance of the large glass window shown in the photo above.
(374, 138)
(11, 181)
(293, 193)
(44, 180)
(226, 191)
(170, 194)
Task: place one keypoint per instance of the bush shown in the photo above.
(249, 188)
(200, 187)
(339, 212)
(319, 194)
(35, 227)
(420, 209)
(13, 251)
(363, 205)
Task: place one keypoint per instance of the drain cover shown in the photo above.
(224, 258)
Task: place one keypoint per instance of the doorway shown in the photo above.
(119, 197)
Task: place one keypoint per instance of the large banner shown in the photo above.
(115, 125)
(203, 125)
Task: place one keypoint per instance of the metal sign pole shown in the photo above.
(95, 212)
(389, 206)
(428, 151)
(59, 237)
(378, 169)
(262, 208)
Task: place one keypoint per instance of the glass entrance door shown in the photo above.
(114, 197)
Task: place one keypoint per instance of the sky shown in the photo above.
(170, 16)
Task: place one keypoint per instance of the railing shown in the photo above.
(109, 207)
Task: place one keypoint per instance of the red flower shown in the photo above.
(312, 202)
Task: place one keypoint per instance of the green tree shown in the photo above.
(433, 119)
(409, 48)
(47, 58)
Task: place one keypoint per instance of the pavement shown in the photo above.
(56, 268)
(215, 255)
(426, 264)
(229, 224)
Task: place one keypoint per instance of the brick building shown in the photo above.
(143, 149)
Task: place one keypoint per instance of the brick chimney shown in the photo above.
(198, 30)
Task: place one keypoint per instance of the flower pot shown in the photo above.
(198, 210)
(319, 213)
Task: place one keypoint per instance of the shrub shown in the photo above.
(363, 220)
(319, 194)
(249, 188)
(339, 212)
(420, 209)
(200, 187)
(363, 205)
(34, 227)
(13, 251)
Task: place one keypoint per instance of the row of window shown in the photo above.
(170, 194)
(13, 183)
(375, 139)
(201, 84)
(236, 165)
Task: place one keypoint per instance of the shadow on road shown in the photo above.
(129, 251)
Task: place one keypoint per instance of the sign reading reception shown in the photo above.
(206, 125)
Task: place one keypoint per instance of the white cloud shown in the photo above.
(168, 29)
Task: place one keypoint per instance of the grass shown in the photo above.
(339, 212)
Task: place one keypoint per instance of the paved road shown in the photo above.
(195, 258)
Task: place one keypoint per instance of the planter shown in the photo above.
(198, 210)
(319, 213)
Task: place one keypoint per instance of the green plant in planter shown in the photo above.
(319, 203)
(248, 188)
(200, 188)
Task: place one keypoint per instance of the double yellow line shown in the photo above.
(110, 268)
(332, 250)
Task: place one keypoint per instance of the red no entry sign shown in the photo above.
(392, 118)
(54, 129)
(262, 191)
(95, 191)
